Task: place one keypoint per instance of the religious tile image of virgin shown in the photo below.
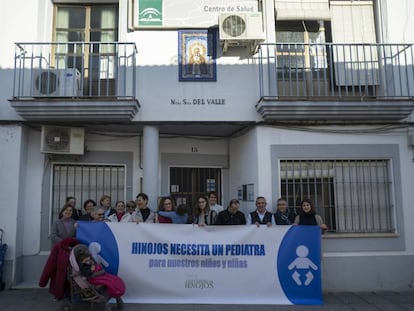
(197, 55)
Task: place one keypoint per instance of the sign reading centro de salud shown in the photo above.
(214, 264)
(185, 13)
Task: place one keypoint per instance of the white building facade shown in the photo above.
(274, 98)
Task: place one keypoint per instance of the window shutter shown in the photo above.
(353, 22)
(302, 10)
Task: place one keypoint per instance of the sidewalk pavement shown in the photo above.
(41, 300)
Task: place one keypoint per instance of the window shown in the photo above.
(302, 45)
(302, 58)
(353, 195)
(95, 27)
(86, 182)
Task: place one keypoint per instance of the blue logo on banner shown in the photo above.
(101, 242)
(298, 265)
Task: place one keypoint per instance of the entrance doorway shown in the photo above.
(187, 183)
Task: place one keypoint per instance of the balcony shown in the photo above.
(336, 82)
(75, 80)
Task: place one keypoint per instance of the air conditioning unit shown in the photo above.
(243, 29)
(62, 140)
(57, 83)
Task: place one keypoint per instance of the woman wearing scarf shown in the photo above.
(283, 215)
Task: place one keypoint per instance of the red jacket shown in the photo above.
(56, 267)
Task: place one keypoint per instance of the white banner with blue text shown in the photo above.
(213, 264)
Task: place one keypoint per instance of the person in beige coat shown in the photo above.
(64, 227)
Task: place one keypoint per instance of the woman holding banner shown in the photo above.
(166, 205)
(202, 214)
(308, 216)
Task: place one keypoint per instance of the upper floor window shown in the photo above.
(95, 27)
(302, 45)
(96, 23)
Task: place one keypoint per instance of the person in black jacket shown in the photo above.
(283, 215)
(232, 215)
(89, 206)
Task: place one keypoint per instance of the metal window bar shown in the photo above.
(338, 70)
(86, 182)
(352, 195)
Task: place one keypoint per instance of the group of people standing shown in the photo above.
(206, 212)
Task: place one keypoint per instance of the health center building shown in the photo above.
(274, 98)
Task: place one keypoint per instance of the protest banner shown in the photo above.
(213, 264)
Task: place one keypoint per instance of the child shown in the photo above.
(178, 217)
(96, 275)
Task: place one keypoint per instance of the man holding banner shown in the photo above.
(260, 216)
(232, 215)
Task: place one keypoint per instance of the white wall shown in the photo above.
(10, 146)
(157, 75)
(244, 164)
(185, 145)
(22, 21)
(31, 194)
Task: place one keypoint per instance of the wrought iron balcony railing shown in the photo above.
(336, 71)
(75, 70)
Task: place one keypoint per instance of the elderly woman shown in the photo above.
(131, 210)
(98, 214)
(64, 227)
(105, 203)
(88, 206)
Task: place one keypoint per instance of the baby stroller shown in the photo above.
(80, 289)
(3, 249)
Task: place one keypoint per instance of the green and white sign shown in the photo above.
(150, 13)
(182, 14)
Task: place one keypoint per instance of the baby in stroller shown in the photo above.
(86, 272)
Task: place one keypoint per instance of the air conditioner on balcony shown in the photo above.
(57, 83)
(62, 140)
(243, 29)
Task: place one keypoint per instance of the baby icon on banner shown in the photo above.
(95, 249)
(298, 265)
(302, 263)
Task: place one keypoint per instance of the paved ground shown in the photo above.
(40, 300)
